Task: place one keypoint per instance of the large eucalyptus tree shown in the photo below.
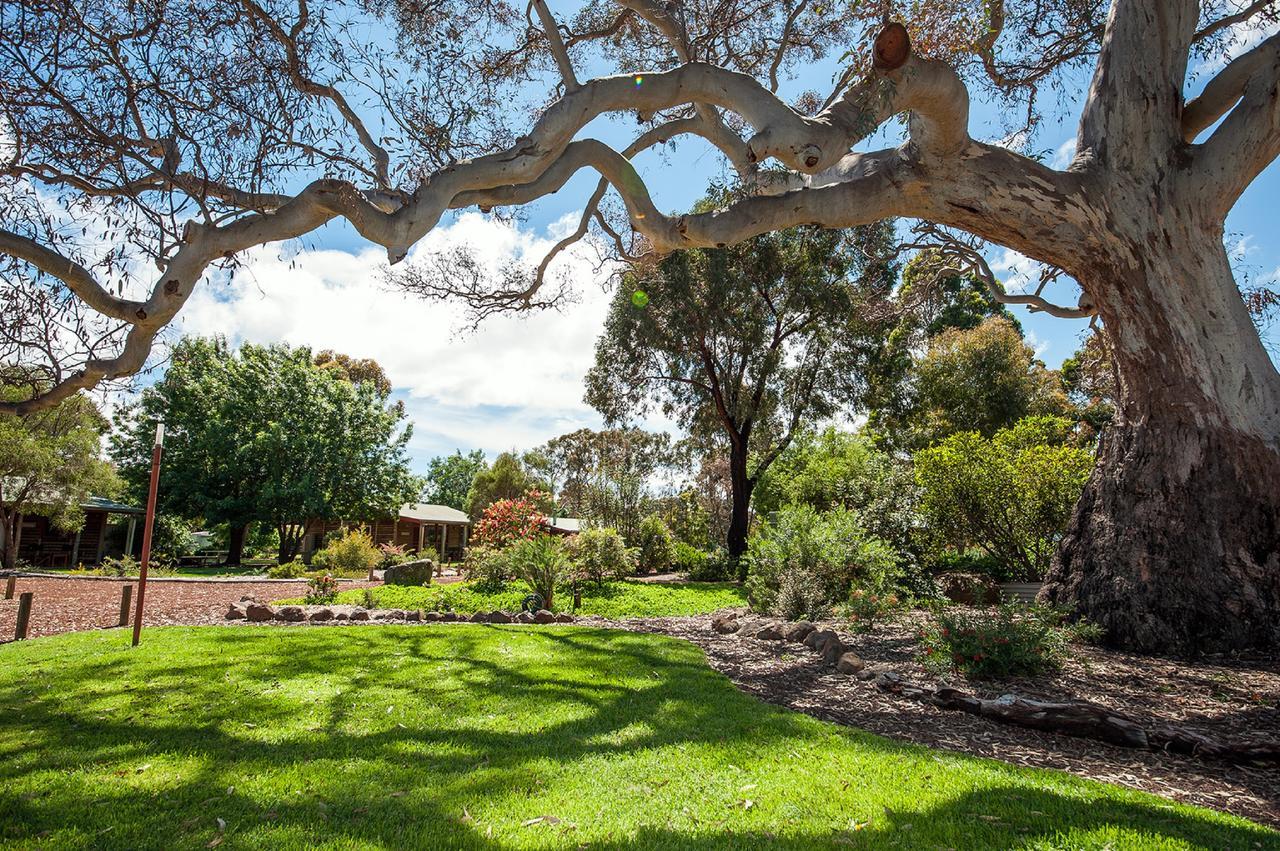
(185, 132)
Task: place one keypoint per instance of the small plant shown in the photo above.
(1009, 640)
(126, 565)
(322, 589)
(368, 599)
(700, 565)
(600, 555)
(352, 554)
(487, 568)
(866, 608)
(289, 570)
(542, 563)
(393, 554)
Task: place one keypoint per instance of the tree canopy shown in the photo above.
(449, 478)
(264, 434)
(746, 342)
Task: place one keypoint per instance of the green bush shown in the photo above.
(700, 565)
(542, 563)
(653, 539)
(351, 554)
(866, 608)
(1007, 641)
(488, 568)
(804, 562)
(392, 554)
(600, 555)
(1011, 495)
(971, 561)
(288, 570)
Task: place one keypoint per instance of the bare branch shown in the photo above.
(558, 51)
(1255, 8)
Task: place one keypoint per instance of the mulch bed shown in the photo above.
(1227, 698)
(74, 604)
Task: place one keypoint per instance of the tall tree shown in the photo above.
(189, 133)
(50, 462)
(449, 478)
(747, 342)
(507, 478)
(263, 433)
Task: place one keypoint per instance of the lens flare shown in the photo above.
(640, 298)
(639, 80)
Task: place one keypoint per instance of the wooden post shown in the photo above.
(126, 593)
(9, 586)
(24, 615)
(444, 541)
(75, 551)
(146, 531)
(128, 537)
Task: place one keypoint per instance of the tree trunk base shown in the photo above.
(1174, 547)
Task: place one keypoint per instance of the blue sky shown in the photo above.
(517, 381)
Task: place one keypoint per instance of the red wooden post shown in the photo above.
(24, 615)
(146, 531)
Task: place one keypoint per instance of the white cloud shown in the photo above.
(1015, 270)
(515, 382)
(1065, 153)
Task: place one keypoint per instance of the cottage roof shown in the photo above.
(426, 513)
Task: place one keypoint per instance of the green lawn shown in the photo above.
(462, 736)
(615, 600)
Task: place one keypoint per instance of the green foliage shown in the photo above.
(1006, 641)
(321, 589)
(1011, 495)
(1089, 380)
(449, 478)
(264, 434)
(353, 554)
(700, 565)
(600, 555)
(689, 521)
(488, 568)
(542, 563)
(656, 549)
(170, 539)
(803, 562)
(291, 569)
(506, 479)
(49, 462)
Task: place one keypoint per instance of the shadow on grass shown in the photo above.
(495, 716)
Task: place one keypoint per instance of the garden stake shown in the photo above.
(24, 615)
(9, 586)
(146, 530)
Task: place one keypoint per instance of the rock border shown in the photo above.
(251, 610)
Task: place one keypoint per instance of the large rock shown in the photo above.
(359, 613)
(725, 624)
(410, 573)
(798, 631)
(524, 617)
(564, 617)
(415, 615)
(819, 637)
(450, 617)
(324, 613)
(969, 589)
(544, 616)
(480, 617)
(397, 615)
(833, 650)
(258, 612)
(770, 632)
(850, 663)
(291, 613)
(499, 617)
(236, 612)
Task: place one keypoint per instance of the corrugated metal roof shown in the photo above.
(101, 503)
(565, 524)
(426, 513)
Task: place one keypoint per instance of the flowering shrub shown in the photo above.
(322, 589)
(509, 520)
(866, 607)
(1011, 640)
(393, 554)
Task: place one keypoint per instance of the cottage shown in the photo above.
(41, 544)
(417, 527)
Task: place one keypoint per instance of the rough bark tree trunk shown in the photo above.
(740, 486)
(1174, 546)
(235, 546)
(9, 553)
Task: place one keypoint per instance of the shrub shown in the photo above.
(392, 554)
(542, 563)
(322, 589)
(700, 565)
(805, 562)
(352, 554)
(288, 570)
(865, 608)
(509, 520)
(127, 565)
(600, 555)
(1011, 495)
(1010, 640)
(488, 568)
(653, 539)
(971, 561)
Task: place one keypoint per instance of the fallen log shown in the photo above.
(1083, 719)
